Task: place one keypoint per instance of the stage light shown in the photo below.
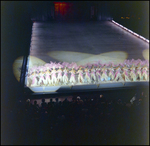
(17, 65)
(68, 56)
(34, 61)
(83, 58)
(114, 56)
(146, 54)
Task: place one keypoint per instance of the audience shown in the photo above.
(98, 120)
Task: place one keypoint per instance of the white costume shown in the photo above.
(132, 73)
(98, 74)
(33, 77)
(72, 78)
(118, 75)
(80, 76)
(138, 73)
(47, 77)
(104, 74)
(87, 75)
(144, 73)
(65, 76)
(125, 73)
(59, 77)
(111, 73)
(41, 78)
(93, 74)
(53, 75)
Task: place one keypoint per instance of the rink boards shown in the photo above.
(78, 87)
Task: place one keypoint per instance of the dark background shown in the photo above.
(16, 27)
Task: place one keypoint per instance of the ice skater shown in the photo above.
(72, 78)
(87, 75)
(80, 75)
(93, 77)
(53, 75)
(65, 76)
